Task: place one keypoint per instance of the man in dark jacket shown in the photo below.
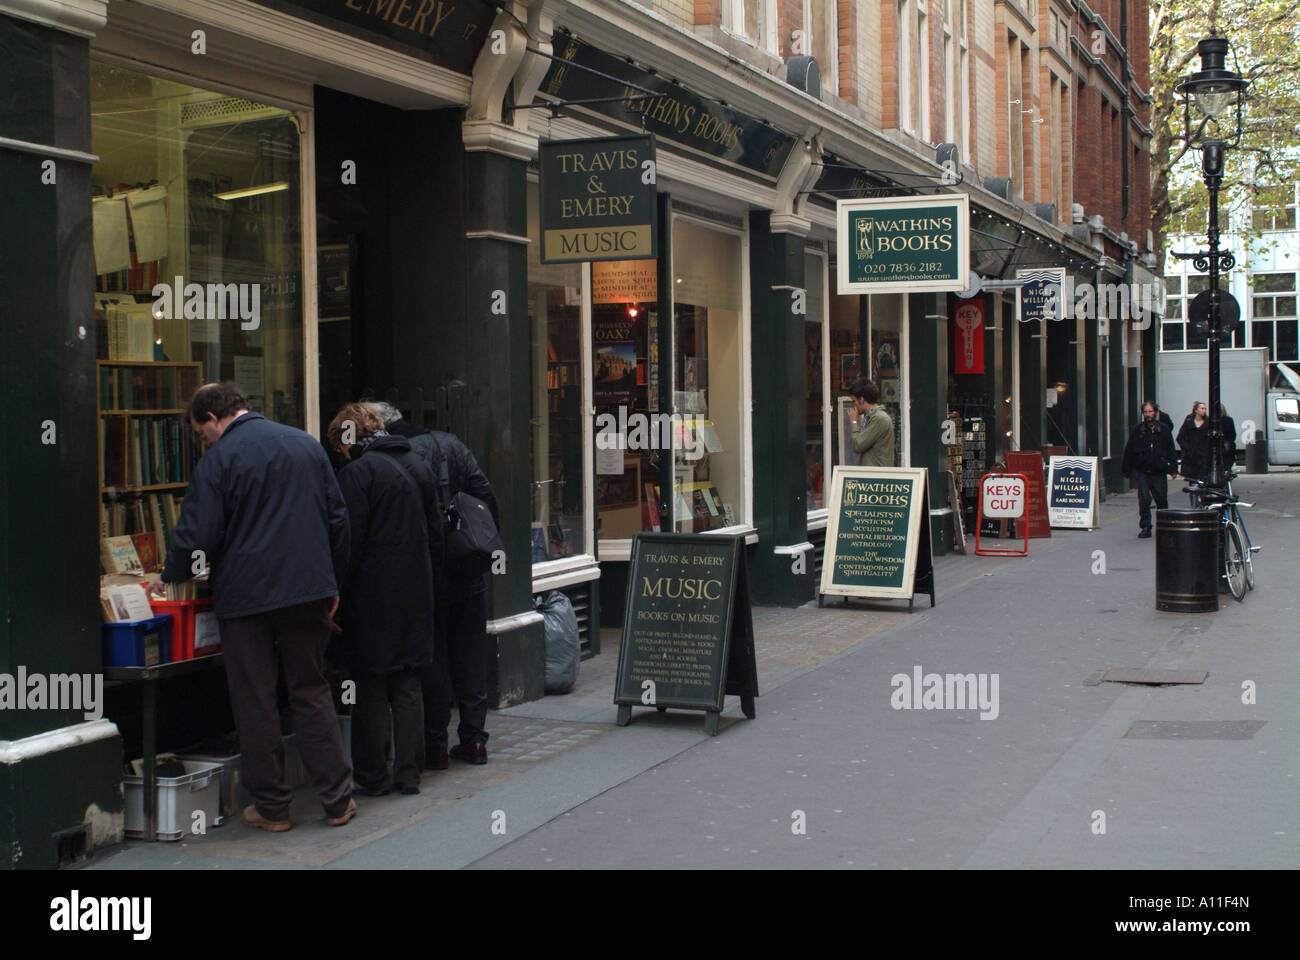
(388, 598)
(263, 510)
(461, 658)
(1149, 454)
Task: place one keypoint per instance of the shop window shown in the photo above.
(632, 424)
(814, 369)
(198, 263)
(558, 451)
(887, 361)
(844, 358)
(709, 370)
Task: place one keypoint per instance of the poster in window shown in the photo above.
(614, 362)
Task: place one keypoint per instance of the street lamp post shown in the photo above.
(1213, 88)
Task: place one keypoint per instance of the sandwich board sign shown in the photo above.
(878, 535)
(1072, 492)
(688, 631)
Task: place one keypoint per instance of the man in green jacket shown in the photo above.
(873, 438)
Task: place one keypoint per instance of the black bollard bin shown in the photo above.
(1257, 454)
(1187, 560)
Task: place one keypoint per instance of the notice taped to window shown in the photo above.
(874, 534)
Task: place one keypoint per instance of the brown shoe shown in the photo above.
(255, 819)
(475, 753)
(345, 816)
(435, 757)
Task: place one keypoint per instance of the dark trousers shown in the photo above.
(1151, 486)
(459, 670)
(388, 701)
(296, 636)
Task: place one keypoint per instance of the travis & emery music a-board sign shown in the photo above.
(878, 535)
(1072, 492)
(688, 632)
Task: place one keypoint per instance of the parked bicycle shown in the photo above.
(1234, 540)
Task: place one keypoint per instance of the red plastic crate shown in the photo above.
(185, 614)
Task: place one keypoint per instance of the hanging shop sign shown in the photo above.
(1072, 492)
(449, 33)
(904, 244)
(878, 534)
(968, 342)
(1029, 463)
(1040, 295)
(688, 633)
(597, 199)
(672, 112)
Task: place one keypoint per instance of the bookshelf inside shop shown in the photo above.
(146, 454)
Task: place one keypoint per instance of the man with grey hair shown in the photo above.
(461, 651)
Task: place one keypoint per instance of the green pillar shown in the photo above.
(927, 387)
(60, 773)
(1033, 367)
(782, 573)
(497, 408)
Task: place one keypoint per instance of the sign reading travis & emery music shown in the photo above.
(876, 543)
(596, 199)
(449, 33)
(903, 244)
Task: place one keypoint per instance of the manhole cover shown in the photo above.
(1155, 677)
(1194, 729)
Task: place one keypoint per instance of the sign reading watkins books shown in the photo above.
(904, 244)
(597, 198)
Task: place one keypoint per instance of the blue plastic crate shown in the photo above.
(140, 643)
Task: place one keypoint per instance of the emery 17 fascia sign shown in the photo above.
(903, 244)
(596, 199)
(873, 531)
(1072, 492)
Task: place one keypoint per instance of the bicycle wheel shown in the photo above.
(1248, 555)
(1234, 564)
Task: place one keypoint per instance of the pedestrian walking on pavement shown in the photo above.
(265, 514)
(387, 603)
(459, 670)
(1149, 456)
(1194, 442)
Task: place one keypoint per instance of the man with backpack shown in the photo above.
(461, 652)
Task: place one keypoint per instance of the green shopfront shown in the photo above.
(368, 175)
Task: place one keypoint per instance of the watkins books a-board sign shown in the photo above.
(1072, 492)
(878, 533)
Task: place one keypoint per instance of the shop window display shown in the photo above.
(845, 359)
(814, 363)
(886, 361)
(198, 263)
(555, 320)
(708, 366)
(626, 397)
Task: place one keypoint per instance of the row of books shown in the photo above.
(156, 513)
(130, 330)
(698, 501)
(145, 451)
(146, 388)
(139, 276)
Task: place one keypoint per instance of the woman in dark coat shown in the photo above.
(386, 598)
(1194, 442)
